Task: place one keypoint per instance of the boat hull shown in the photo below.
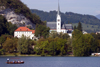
(15, 62)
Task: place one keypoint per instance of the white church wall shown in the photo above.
(63, 31)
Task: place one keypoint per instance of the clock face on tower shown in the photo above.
(58, 19)
(58, 23)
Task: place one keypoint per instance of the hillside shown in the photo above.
(5, 27)
(18, 13)
(90, 23)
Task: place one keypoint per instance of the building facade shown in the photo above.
(24, 31)
(59, 26)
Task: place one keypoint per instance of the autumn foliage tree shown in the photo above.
(10, 45)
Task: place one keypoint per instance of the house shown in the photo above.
(84, 32)
(95, 54)
(24, 31)
(59, 26)
(98, 32)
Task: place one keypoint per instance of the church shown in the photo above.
(59, 26)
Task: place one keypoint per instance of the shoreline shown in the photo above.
(36, 55)
(43, 56)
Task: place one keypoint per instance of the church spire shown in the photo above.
(58, 19)
(58, 8)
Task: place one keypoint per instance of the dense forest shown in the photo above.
(19, 8)
(90, 23)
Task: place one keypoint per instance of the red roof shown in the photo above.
(24, 29)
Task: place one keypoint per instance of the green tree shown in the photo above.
(61, 43)
(96, 42)
(75, 27)
(53, 34)
(25, 45)
(77, 42)
(65, 36)
(88, 44)
(42, 31)
(11, 28)
(79, 27)
(51, 46)
(60, 35)
(39, 46)
(3, 28)
(82, 44)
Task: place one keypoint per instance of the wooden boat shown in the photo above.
(19, 62)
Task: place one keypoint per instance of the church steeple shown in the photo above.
(58, 19)
(58, 8)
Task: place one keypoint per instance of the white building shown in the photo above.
(84, 32)
(58, 26)
(24, 31)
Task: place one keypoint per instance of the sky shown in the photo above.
(87, 7)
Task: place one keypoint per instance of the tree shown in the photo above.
(11, 28)
(41, 46)
(65, 36)
(59, 35)
(75, 27)
(52, 46)
(3, 28)
(25, 45)
(77, 42)
(42, 31)
(96, 42)
(60, 44)
(10, 45)
(79, 27)
(3, 38)
(82, 44)
(53, 34)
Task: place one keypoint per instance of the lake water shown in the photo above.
(53, 62)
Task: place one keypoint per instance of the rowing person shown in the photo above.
(7, 59)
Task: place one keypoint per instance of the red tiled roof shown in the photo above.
(33, 31)
(24, 29)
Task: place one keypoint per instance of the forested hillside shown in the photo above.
(19, 8)
(5, 27)
(90, 23)
(67, 17)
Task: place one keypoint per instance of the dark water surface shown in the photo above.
(53, 62)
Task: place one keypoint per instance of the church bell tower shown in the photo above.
(58, 20)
